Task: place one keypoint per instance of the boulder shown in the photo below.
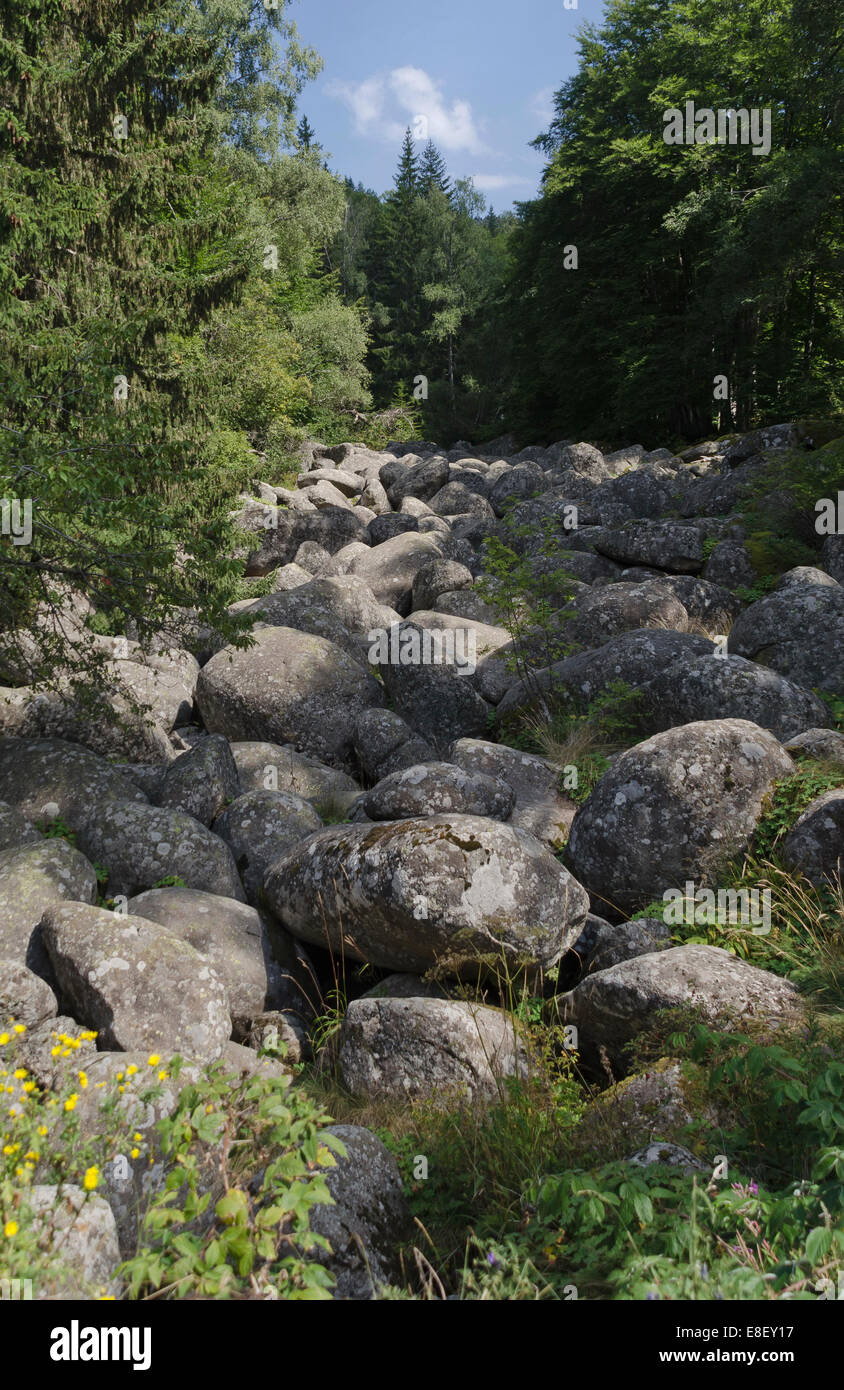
(437, 702)
(604, 612)
(390, 569)
(799, 632)
(232, 939)
(32, 879)
(673, 808)
(384, 743)
(16, 830)
(369, 1219)
(48, 778)
(290, 687)
(136, 983)
(610, 1007)
(432, 789)
(279, 767)
(24, 997)
(665, 545)
(815, 843)
(539, 807)
(438, 1049)
(826, 745)
(437, 577)
(719, 686)
(78, 1230)
(261, 825)
(402, 894)
(141, 845)
(202, 781)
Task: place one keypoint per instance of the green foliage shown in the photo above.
(246, 1229)
(789, 800)
(835, 705)
(137, 254)
(529, 594)
(480, 1157)
(721, 263)
(43, 1141)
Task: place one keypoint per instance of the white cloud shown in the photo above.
(542, 105)
(487, 183)
(387, 103)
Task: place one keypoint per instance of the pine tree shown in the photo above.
(401, 354)
(121, 228)
(305, 134)
(433, 172)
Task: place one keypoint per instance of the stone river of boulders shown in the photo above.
(298, 798)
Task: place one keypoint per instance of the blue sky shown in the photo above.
(480, 74)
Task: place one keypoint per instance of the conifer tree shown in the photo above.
(121, 228)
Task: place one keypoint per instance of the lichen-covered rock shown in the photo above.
(610, 1007)
(674, 808)
(618, 941)
(827, 745)
(432, 789)
(420, 479)
(445, 1049)
(201, 782)
(798, 631)
(53, 1051)
(290, 687)
(437, 577)
(137, 983)
(370, 1218)
(634, 658)
(340, 608)
(260, 826)
(438, 703)
(79, 1231)
(141, 845)
(656, 1105)
(402, 894)
(729, 687)
(48, 778)
(672, 1155)
(31, 878)
(666, 545)
(280, 767)
(24, 996)
(603, 612)
(539, 808)
(815, 843)
(390, 568)
(16, 830)
(231, 936)
(707, 603)
(730, 566)
(384, 743)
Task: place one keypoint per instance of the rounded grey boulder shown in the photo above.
(260, 826)
(231, 937)
(446, 1049)
(290, 687)
(141, 845)
(432, 788)
(610, 1007)
(815, 843)
(402, 894)
(136, 983)
(673, 808)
